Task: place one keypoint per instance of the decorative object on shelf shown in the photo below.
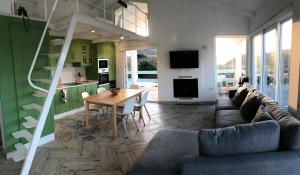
(115, 91)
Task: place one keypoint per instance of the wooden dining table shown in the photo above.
(108, 99)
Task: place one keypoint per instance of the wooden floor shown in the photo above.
(79, 151)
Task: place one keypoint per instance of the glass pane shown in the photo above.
(286, 38)
(257, 56)
(269, 86)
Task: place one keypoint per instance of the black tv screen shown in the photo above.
(185, 88)
(184, 59)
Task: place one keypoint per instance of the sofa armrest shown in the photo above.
(231, 93)
(275, 163)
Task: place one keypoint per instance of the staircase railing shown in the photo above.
(38, 50)
(50, 93)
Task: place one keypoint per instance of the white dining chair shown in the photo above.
(134, 86)
(92, 108)
(100, 90)
(142, 104)
(126, 111)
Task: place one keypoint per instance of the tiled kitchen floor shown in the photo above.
(79, 151)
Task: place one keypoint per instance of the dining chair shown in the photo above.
(100, 90)
(92, 108)
(105, 108)
(126, 111)
(134, 86)
(142, 104)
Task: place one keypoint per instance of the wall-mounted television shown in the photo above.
(184, 59)
(185, 88)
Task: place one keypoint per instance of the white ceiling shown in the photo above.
(244, 8)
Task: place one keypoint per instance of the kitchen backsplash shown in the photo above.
(69, 74)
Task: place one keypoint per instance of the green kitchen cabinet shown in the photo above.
(75, 96)
(16, 57)
(82, 51)
(60, 104)
(104, 50)
(91, 88)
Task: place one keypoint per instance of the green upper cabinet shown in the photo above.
(105, 50)
(81, 51)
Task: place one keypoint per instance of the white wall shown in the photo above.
(177, 25)
(5, 6)
(267, 10)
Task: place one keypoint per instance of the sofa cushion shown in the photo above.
(250, 105)
(290, 133)
(166, 152)
(240, 96)
(240, 139)
(261, 115)
(225, 118)
(225, 103)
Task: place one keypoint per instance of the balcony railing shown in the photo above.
(133, 18)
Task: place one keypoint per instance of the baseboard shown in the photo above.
(65, 114)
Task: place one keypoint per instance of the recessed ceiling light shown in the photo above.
(93, 31)
(122, 37)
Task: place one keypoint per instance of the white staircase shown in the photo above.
(28, 141)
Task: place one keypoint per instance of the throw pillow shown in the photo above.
(261, 115)
(240, 139)
(240, 96)
(250, 106)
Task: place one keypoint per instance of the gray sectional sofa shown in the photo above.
(253, 135)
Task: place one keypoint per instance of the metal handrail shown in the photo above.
(38, 50)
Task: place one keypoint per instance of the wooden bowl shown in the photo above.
(115, 91)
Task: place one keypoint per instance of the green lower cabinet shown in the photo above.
(76, 97)
(91, 89)
(62, 105)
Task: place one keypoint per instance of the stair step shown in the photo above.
(42, 80)
(51, 55)
(31, 122)
(23, 134)
(39, 94)
(19, 154)
(33, 106)
(57, 42)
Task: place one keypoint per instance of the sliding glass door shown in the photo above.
(284, 66)
(271, 61)
(257, 61)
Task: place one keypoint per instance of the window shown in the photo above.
(257, 60)
(285, 54)
(271, 61)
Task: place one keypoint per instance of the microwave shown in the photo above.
(103, 65)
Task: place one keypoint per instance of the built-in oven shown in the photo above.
(103, 65)
(103, 78)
